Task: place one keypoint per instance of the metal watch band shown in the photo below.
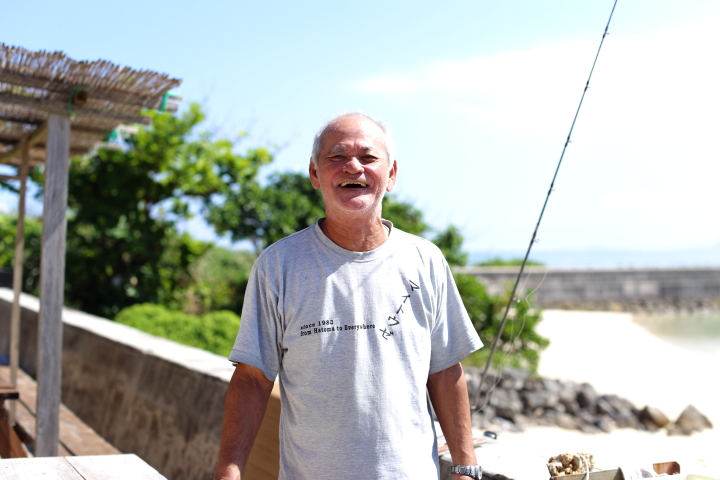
(473, 471)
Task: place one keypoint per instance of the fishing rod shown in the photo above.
(542, 212)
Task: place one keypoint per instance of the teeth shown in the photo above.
(352, 184)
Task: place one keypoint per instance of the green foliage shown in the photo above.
(219, 280)
(122, 245)
(519, 345)
(213, 331)
(507, 262)
(288, 204)
(450, 242)
(264, 215)
(31, 260)
(404, 215)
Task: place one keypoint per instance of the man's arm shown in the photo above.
(449, 396)
(245, 405)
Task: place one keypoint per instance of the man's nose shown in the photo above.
(353, 165)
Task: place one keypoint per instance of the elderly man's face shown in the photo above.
(353, 171)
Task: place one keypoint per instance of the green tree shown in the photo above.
(31, 256)
(122, 244)
(450, 242)
(288, 204)
(507, 262)
(404, 215)
(219, 280)
(519, 345)
(264, 215)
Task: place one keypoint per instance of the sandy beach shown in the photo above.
(619, 356)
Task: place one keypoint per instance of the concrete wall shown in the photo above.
(632, 289)
(146, 395)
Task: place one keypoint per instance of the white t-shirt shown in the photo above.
(353, 337)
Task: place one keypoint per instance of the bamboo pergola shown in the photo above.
(51, 107)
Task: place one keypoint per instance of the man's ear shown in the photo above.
(393, 176)
(312, 170)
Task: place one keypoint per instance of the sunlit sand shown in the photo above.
(618, 356)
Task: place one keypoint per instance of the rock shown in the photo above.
(589, 428)
(566, 421)
(507, 403)
(533, 399)
(605, 423)
(512, 399)
(620, 410)
(653, 416)
(587, 397)
(689, 421)
(513, 378)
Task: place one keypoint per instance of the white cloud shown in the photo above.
(643, 82)
(644, 158)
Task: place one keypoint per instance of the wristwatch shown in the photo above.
(474, 471)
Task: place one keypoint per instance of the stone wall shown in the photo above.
(146, 395)
(637, 289)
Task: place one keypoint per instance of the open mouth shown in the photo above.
(353, 185)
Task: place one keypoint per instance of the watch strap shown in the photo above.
(473, 471)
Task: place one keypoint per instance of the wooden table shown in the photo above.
(97, 467)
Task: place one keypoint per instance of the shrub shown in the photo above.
(519, 345)
(213, 331)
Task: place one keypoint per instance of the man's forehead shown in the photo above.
(344, 147)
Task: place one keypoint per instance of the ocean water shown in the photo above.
(692, 331)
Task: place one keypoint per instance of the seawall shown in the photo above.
(636, 289)
(145, 395)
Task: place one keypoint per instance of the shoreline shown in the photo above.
(617, 355)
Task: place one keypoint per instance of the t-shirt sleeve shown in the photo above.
(453, 335)
(257, 343)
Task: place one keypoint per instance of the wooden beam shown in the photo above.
(60, 107)
(52, 279)
(36, 136)
(96, 92)
(18, 274)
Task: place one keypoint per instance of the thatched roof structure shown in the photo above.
(98, 96)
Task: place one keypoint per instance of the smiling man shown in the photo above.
(363, 326)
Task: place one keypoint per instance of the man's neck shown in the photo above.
(360, 236)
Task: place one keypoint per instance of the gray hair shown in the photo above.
(389, 140)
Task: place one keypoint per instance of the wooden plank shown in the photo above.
(38, 468)
(76, 437)
(59, 107)
(79, 439)
(114, 467)
(10, 444)
(52, 282)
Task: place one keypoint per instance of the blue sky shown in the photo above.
(480, 96)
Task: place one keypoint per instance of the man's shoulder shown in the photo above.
(290, 244)
(422, 245)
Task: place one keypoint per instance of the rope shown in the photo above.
(542, 212)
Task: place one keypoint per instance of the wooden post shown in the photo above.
(52, 280)
(18, 275)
